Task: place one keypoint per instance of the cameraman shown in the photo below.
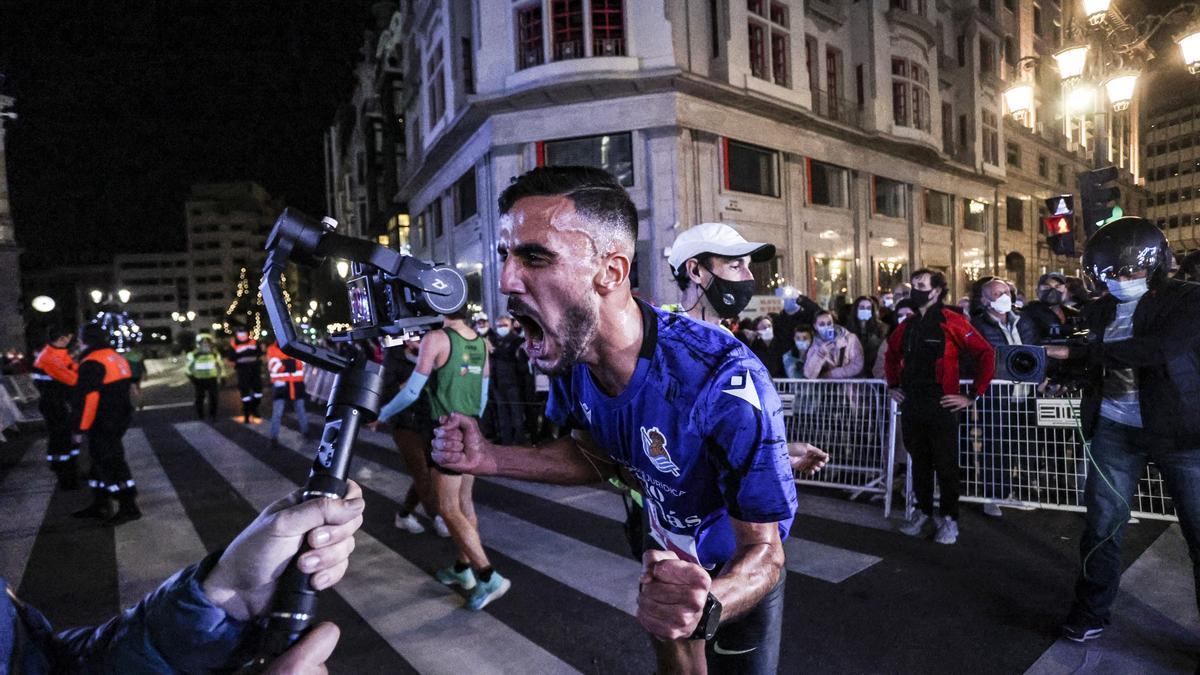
(1139, 404)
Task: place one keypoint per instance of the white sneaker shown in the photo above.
(409, 524)
(993, 510)
(439, 526)
(919, 526)
(947, 531)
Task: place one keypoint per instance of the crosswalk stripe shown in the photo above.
(418, 617)
(810, 558)
(153, 548)
(609, 578)
(24, 497)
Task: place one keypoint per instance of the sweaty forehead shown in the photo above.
(551, 222)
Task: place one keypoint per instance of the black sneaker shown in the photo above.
(1082, 629)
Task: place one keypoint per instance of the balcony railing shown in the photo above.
(840, 110)
(568, 49)
(608, 47)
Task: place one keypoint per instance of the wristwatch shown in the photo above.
(710, 618)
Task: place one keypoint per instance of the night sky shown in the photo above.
(124, 104)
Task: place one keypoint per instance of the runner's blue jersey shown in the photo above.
(700, 425)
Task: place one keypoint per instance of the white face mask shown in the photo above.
(1126, 291)
(864, 315)
(766, 334)
(1003, 304)
(900, 319)
(502, 331)
(888, 302)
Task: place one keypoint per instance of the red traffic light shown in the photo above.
(1056, 225)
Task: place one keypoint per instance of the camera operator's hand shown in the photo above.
(309, 654)
(896, 394)
(459, 446)
(956, 402)
(671, 595)
(243, 581)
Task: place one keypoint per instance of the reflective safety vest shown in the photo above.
(102, 393)
(285, 370)
(54, 364)
(246, 352)
(205, 365)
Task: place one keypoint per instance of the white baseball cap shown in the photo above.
(716, 238)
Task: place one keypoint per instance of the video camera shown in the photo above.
(391, 295)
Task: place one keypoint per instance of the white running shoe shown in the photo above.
(947, 531)
(439, 526)
(408, 524)
(919, 526)
(993, 510)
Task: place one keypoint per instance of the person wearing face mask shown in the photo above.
(903, 311)
(836, 353)
(205, 368)
(870, 330)
(1049, 314)
(711, 264)
(922, 369)
(1000, 325)
(793, 359)
(506, 383)
(1139, 404)
(767, 348)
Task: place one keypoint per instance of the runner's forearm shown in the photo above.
(750, 574)
(562, 462)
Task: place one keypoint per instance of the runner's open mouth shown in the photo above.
(534, 335)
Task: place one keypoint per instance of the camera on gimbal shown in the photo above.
(1021, 363)
(390, 294)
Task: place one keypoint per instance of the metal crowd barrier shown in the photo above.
(1024, 448)
(18, 401)
(853, 421)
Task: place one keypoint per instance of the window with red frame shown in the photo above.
(608, 28)
(530, 49)
(768, 29)
(566, 29)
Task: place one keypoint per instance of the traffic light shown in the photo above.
(1060, 236)
(1099, 197)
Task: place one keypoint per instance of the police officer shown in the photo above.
(1139, 403)
(102, 410)
(205, 369)
(54, 373)
(287, 384)
(247, 360)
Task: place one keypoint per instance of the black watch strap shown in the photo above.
(710, 619)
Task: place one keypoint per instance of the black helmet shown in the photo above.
(93, 335)
(1125, 246)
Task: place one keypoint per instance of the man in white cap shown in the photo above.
(711, 264)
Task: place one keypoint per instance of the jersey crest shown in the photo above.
(654, 444)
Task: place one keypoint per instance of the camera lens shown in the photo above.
(1022, 363)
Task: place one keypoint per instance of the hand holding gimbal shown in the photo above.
(391, 295)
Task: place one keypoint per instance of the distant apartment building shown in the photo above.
(864, 139)
(1172, 151)
(158, 286)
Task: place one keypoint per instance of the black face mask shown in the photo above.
(920, 297)
(729, 298)
(1051, 296)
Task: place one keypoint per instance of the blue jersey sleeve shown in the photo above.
(742, 423)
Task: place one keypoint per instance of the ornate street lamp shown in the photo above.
(1071, 62)
(1189, 44)
(1120, 88)
(124, 295)
(1019, 100)
(1096, 11)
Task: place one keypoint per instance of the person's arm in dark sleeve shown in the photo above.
(86, 397)
(173, 629)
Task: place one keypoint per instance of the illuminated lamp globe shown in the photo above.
(1120, 90)
(97, 296)
(1019, 100)
(43, 303)
(1189, 44)
(1071, 62)
(1096, 10)
(123, 295)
